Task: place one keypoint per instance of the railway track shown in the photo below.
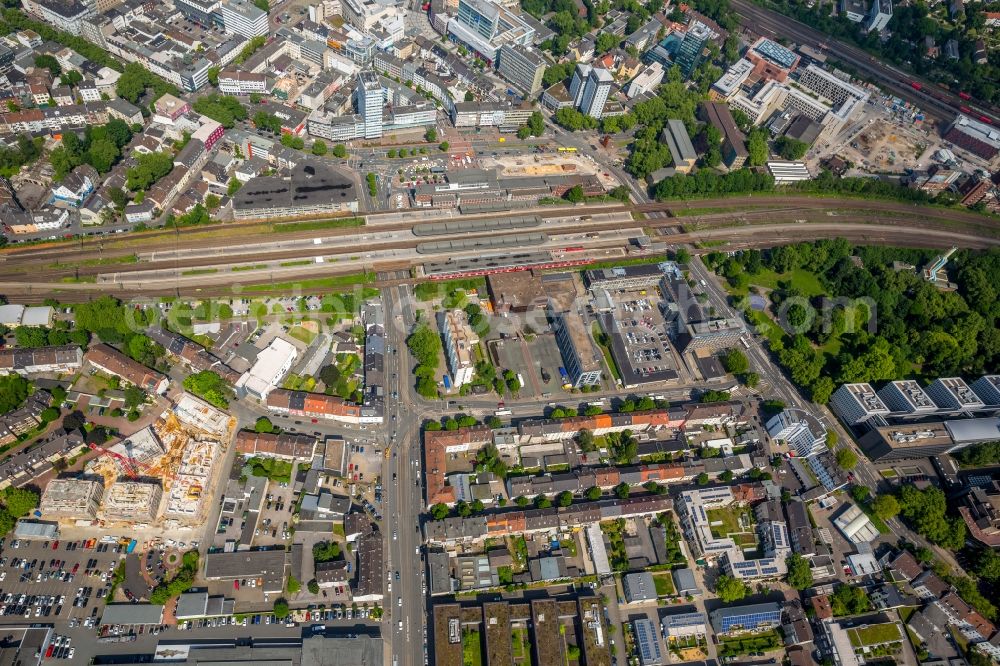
(899, 232)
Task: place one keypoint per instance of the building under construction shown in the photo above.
(72, 498)
(132, 501)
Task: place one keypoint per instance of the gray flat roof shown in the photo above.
(266, 564)
(974, 430)
(132, 614)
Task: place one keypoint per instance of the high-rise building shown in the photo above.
(578, 82)
(459, 340)
(523, 67)
(595, 92)
(580, 360)
(369, 99)
(689, 53)
(242, 18)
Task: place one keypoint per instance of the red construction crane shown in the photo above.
(129, 464)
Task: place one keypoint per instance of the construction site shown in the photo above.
(160, 475)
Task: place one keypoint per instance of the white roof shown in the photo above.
(856, 526)
(270, 366)
(37, 316)
(10, 315)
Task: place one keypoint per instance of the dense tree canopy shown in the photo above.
(926, 512)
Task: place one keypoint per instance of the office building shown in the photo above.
(746, 619)
(874, 16)
(523, 67)
(986, 387)
(690, 53)
(771, 60)
(581, 360)
(732, 81)
(830, 86)
(459, 341)
(648, 642)
(483, 27)
(976, 137)
(240, 17)
(369, 100)
(801, 430)
(856, 403)
(77, 499)
(953, 394)
(907, 397)
(675, 136)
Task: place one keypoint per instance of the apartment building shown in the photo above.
(459, 342)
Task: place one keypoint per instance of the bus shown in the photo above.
(502, 412)
(567, 149)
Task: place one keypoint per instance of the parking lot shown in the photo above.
(639, 336)
(537, 360)
(54, 580)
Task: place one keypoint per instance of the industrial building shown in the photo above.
(131, 501)
(269, 369)
(72, 498)
(675, 136)
(314, 188)
(976, 137)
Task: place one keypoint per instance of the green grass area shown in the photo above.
(744, 645)
(875, 634)
(200, 271)
(252, 267)
(271, 468)
(104, 261)
(472, 650)
(428, 291)
(729, 520)
(664, 585)
(604, 343)
(612, 263)
(297, 262)
(521, 645)
(299, 383)
(805, 281)
(317, 283)
(317, 225)
(888, 473)
(302, 333)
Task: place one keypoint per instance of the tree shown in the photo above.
(730, 589)
(19, 502)
(523, 132)
(292, 585)
(849, 600)
(605, 42)
(280, 609)
(326, 551)
(622, 490)
(431, 135)
(13, 392)
(790, 149)
(150, 168)
(757, 147)
(575, 194)
(847, 458)
(564, 498)
(49, 414)
(799, 572)
(885, 507)
(522, 501)
(542, 502)
(263, 424)
(926, 512)
(702, 479)
(735, 362)
(50, 63)
(443, 146)
(312, 585)
(439, 511)
(209, 386)
(593, 493)
(319, 148)
(469, 97)
(463, 509)
(536, 123)
(339, 151)
(726, 476)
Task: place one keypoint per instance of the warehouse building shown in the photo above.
(856, 526)
(976, 137)
(266, 565)
(269, 369)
